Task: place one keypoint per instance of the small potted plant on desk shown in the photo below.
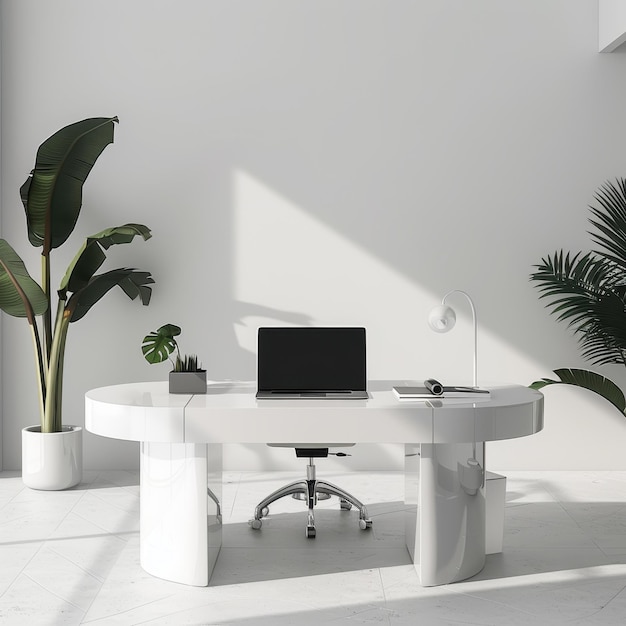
(187, 375)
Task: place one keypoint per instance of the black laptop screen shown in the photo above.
(311, 359)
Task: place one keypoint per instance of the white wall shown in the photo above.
(328, 162)
(611, 24)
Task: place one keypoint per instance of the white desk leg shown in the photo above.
(445, 519)
(180, 520)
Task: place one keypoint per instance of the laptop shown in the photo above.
(311, 362)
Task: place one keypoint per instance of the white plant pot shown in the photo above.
(52, 461)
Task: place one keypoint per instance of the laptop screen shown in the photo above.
(311, 359)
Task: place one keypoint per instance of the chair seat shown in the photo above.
(310, 445)
(310, 489)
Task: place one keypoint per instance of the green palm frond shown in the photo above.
(588, 380)
(586, 291)
(610, 220)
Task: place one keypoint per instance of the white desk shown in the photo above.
(181, 462)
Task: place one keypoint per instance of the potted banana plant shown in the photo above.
(187, 374)
(52, 199)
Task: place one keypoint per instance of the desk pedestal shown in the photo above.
(445, 515)
(180, 528)
(181, 524)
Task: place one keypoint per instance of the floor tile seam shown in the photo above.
(112, 568)
(93, 575)
(78, 500)
(19, 491)
(586, 533)
(234, 497)
(53, 593)
(108, 532)
(92, 535)
(382, 585)
(609, 555)
(130, 489)
(105, 619)
(22, 570)
(107, 482)
(113, 504)
(400, 509)
(619, 593)
(478, 596)
(207, 605)
(15, 519)
(517, 549)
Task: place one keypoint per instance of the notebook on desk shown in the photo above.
(311, 363)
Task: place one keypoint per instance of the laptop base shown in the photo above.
(313, 395)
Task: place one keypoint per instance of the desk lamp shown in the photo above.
(442, 319)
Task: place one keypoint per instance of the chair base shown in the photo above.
(311, 490)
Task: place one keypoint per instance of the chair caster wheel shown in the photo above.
(256, 523)
(310, 532)
(344, 505)
(265, 511)
(364, 524)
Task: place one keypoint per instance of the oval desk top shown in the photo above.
(230, 413)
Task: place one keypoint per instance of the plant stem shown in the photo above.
(41, 372)
(52, 421)
(47, 316)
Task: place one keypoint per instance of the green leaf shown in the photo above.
(157, 346)
(27, 296)
(53, 193)
(90, 257)
(189, 363)
(610, 220)
(587, 380)
(587, 292)
(132, 282)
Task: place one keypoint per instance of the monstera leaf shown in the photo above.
(157, 346)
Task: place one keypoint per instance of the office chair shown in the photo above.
(311, 489)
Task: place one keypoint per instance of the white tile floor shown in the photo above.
(73, 558)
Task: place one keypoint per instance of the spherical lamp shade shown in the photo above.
(442, 318)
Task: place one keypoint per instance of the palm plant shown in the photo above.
(588, 292)
(52, 199)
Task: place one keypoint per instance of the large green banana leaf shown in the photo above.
(588, 380)
(20, 295)
(53, 193)
(132, 282)
(90, 257)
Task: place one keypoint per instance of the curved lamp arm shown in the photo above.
(443, 318)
